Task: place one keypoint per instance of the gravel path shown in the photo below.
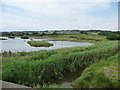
(4, 84)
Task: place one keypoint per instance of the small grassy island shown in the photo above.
(24, 37)
(11, 37)
(39, 43)
(3, 38)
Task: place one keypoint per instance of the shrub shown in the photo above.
(113, 37)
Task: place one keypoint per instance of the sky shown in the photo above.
(23, 15)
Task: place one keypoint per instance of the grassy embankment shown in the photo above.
(102, 74)
(77, 37)
(39, 43)
(43, 67)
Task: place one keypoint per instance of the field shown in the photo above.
(77, 37)
(43, 68)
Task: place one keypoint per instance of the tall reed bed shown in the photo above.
(44, 70)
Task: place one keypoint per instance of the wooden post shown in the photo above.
(10, 53)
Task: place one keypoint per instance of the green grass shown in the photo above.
(101, 74)
(40, 67)
(39, 43)
(79, 37)
(76, 37)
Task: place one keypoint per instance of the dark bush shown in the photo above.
(113, 37)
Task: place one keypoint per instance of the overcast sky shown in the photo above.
(58, 14)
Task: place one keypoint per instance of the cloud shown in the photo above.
(52, 14)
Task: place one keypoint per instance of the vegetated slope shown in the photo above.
(102, 74)
(51, 65)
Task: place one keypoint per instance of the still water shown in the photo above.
(19, 45)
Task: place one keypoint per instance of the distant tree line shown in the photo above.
(110, 35)
(27, 33)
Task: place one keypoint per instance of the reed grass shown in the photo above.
(50, 65)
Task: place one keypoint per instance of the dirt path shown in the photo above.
(10, 85)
